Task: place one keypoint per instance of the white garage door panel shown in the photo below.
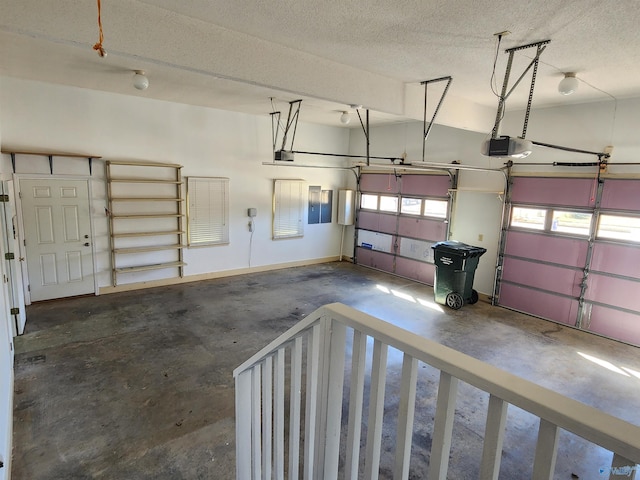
(375, 241)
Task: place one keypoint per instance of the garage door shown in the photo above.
(399, 218)
(570, 253)
(612, 299)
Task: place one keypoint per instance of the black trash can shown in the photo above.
(456, 264)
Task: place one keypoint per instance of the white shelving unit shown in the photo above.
(146, 219)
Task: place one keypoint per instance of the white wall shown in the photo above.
(207, 142)
(591, 126)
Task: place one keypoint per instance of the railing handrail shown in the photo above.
(594, 425)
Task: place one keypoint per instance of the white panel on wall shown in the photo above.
(346, 207)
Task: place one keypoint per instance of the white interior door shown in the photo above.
(6, 372)
(9, 227)
(57, 229)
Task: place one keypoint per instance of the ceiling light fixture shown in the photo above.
(568, 84)
(140, 81)
(345, 118)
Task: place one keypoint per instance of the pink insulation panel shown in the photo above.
(431, 185)
(564, 251)
(377, 221)
(577, 192)
(615, 324)
(618, 259)
(420, 271)
(546, 277)
(613, 291)
(371, 258)
(434, 230)
(621, 194)
(545, 305)
(379, 182)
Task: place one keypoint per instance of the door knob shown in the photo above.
(86, 236)
(86, 244)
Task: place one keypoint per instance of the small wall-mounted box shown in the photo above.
(252, 212)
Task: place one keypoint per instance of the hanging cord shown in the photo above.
(98, 46)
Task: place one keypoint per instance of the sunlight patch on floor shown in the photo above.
(410, 298)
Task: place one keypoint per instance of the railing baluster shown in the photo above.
(244, 399)
(356, 394)
(544, 463)
(376, 409)
(333, 400)
(256, 416)
(493, 438)
(267, 416)
(294, 409)
(311, 410)
(278, 418)
(405, 417)
(443, 427)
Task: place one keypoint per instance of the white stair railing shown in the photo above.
(317, 349)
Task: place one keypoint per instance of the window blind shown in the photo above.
(208, 210)
(288, 208)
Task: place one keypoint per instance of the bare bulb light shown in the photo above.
(345, 118)
(140, 81)
(568, 84)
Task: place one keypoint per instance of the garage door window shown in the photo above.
(618, 227)
(388, 204)
(411, 206)
(574, 223)
(529, 218)
(435, 208)
(369, 202)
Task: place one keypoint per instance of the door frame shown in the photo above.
(21, 231)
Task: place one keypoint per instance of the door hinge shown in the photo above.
(28, 288)
(4, 198)
(15, 311)
(9, 256)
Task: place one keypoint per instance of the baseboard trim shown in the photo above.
(213, 275)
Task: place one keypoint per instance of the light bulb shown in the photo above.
(140, 81)
(345, 117)
(568, 84)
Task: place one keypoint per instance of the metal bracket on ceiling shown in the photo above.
(425, 129)
(540, 47)
(365, 129)
(290, 127)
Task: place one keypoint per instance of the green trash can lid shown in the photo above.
(458, 248)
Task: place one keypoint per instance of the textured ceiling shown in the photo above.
(235, 54)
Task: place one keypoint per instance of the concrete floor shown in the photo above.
(139, 385)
